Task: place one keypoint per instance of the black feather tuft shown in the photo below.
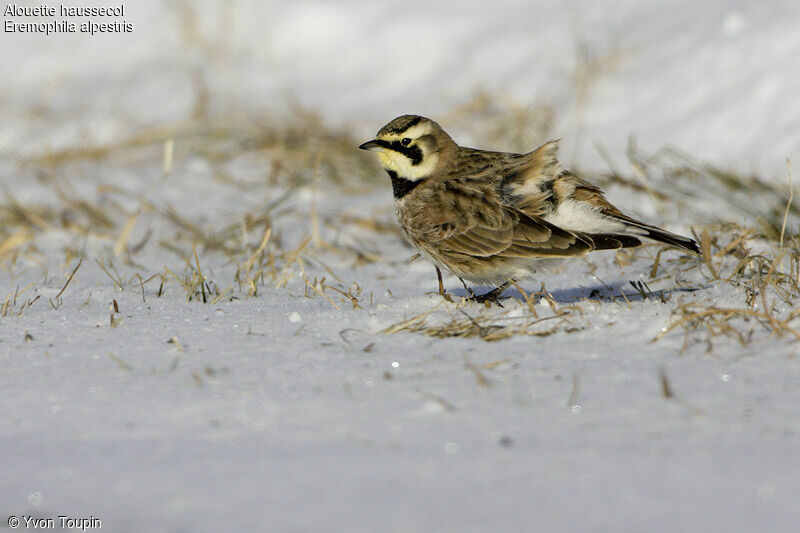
(678, 241)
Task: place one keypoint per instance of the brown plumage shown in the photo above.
(490, 216)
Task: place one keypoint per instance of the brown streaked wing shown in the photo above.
(478, 239)
(479, 242)
(519, 236)
(528, 240)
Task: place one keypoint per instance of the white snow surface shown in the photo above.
(283, 412)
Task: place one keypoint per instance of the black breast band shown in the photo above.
(402, 186)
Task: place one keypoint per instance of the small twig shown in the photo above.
(125, 366)
(791, 197)
(574, 394)
(117, 281)
(666, 389)
(447, 406)
(705, 247)
(527, 298)
(483, 381)
(69, 279)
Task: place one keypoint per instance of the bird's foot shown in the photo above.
(487, 299)
(491, 297)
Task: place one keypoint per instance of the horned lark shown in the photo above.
(489, 217)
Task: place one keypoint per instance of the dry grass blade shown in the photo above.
(14, 241)
(122, 364)
(668, 394)
(220, 295)
(290, 260)
(353, 300)
(480, 377)
(410, 324)
(737, 242)
(18, 214)
(656, 261)
(248, 265)
(527, 297)
(447, 406)
(705, 247)
(127, 230)
(666, 389)
(69, 279)
(725, 314)
(175, 342)
(788, 202)
(575, 392)
(117, 280)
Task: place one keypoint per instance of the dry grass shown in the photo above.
(487, 324)
(290, 154)
(247, 254)
(767, 283)
(675, 180)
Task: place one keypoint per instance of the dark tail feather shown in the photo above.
(603, 241)
(658, 234)
(678, 241)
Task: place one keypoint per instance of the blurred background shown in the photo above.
(717, 79)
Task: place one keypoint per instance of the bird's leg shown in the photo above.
(442, 291)
(491, 296)
(439, 275)
(470, 291)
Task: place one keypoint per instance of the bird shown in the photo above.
(491, 217)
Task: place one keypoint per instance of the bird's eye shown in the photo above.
(406, 141)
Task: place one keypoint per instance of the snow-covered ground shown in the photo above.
(351, 403)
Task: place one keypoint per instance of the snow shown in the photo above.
(295, 410)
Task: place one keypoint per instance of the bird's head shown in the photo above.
(410, 147)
